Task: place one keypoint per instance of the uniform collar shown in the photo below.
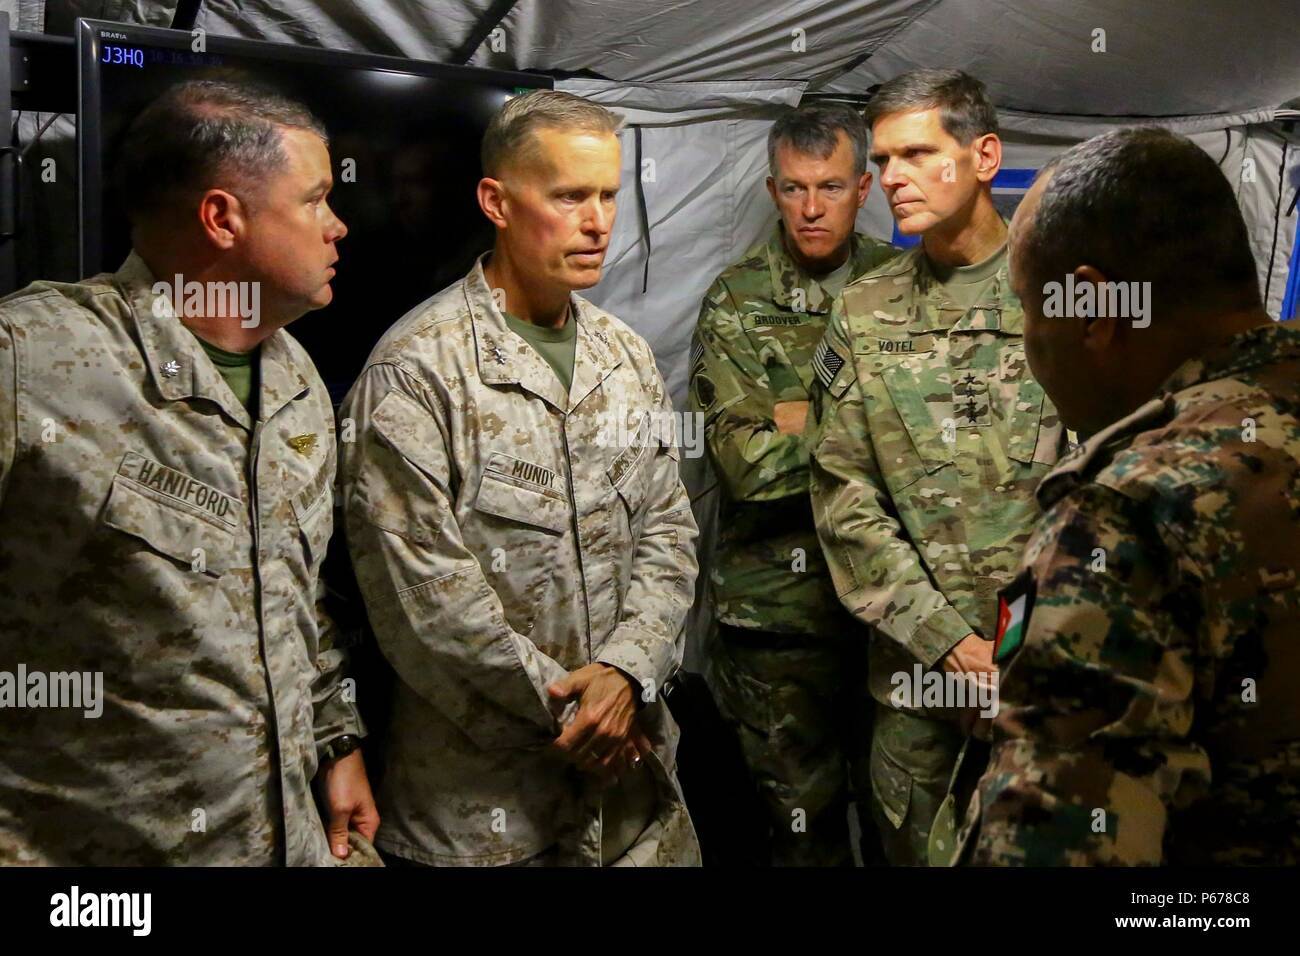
(182, 370)
(505, 358)
(997, 308)
(1245, 350)
(787, 276)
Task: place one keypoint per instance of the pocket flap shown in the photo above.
(167, 528)
(501, 496)
(311, 516)
(1025, 417)
(925, 433)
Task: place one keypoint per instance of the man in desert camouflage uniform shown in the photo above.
(521, 536)
(163, 520)
(931, 438)
(789, 662)
(1150, 649)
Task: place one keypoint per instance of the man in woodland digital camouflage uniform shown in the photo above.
(1150, 649)
(790, 663)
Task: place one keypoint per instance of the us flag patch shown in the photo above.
(826, 363)
(697, 351)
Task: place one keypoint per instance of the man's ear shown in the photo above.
(224, 218)
(987, 151)
(771, 188)
(864, 188)
(492, 200)
(1099, 333)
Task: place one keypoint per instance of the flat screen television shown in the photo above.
(411, 129)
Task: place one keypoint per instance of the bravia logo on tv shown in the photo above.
(110, 35)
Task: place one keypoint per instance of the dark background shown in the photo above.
(413, 221)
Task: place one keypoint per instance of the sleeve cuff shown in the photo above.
(938, 634)
(647, 659)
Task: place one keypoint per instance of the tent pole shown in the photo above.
(491, 20)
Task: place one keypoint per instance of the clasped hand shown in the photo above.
(604, 737)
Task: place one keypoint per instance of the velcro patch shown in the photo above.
(1015, 604)
(827, 363)
(697, 351)
(909, 345)
(521, 470)
(179, 486)
(758, 321)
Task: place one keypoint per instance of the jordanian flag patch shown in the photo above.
(1015, 602)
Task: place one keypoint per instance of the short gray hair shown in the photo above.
(815, 129)
(509, 136)
(1143, 204)
(965, 110)
(202, 134)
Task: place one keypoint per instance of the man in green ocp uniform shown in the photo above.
(931, 436)
(789, 663)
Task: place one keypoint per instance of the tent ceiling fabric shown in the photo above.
(423, 30)
(1162, 57)
(692, 40)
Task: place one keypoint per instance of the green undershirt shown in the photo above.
(557, 346)
(237, 368)
(966, 285)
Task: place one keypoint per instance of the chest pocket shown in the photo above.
(169, 528)
(784, 343)
(523, 502)
(924, 412)
(314, 525)
(1028, 411)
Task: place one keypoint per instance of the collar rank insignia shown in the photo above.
(1015, 603)
(303, 444)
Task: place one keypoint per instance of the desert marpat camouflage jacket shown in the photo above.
(151, 531)
(502, 540)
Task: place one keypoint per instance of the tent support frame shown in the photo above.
(491, 20)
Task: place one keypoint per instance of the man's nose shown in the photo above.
(599, 219)
(813, 206)
(337, 228)
(891, 177)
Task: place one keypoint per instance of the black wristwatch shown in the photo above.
(339, 747)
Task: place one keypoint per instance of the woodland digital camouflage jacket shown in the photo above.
(1151, 713)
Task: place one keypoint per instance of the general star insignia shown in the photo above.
(171, 368)
(303, 444)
